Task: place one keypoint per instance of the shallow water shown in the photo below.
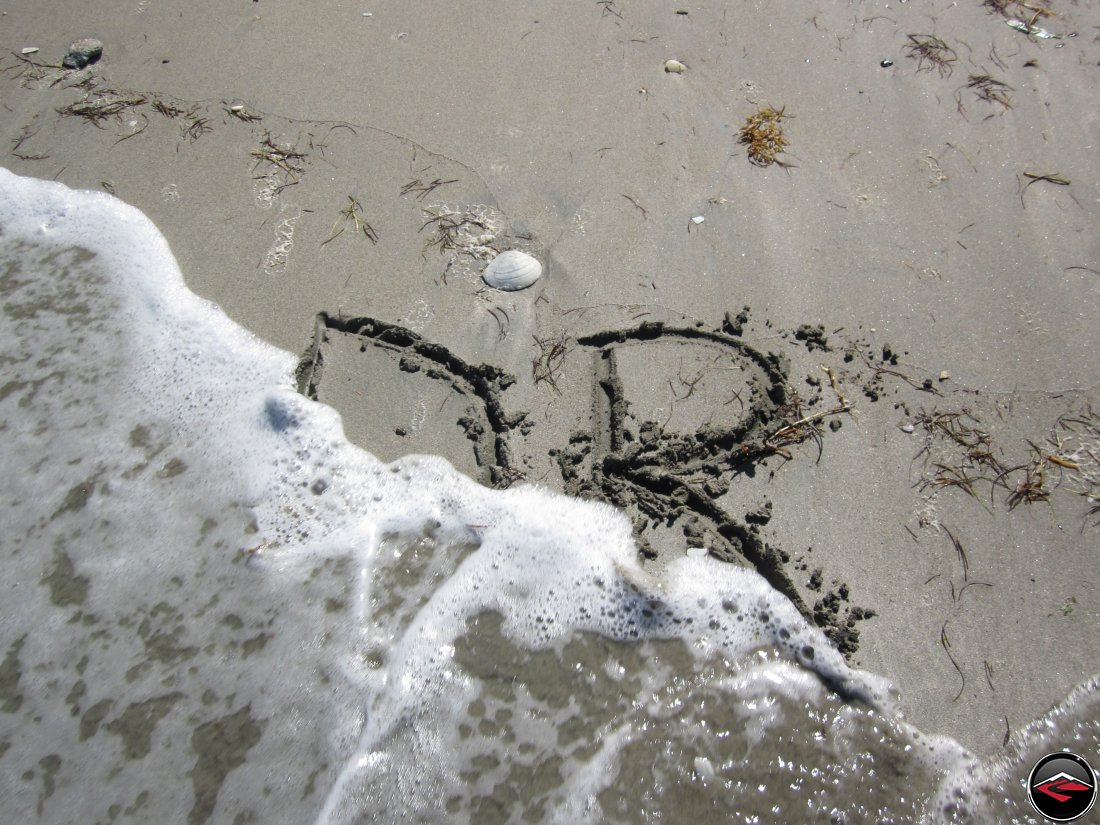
(216, 608)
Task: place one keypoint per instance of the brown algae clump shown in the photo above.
(763, 134)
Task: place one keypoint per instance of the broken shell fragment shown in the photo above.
(512, 270)
(945, 375)
(674, 67)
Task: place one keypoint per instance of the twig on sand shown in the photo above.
(801, 430)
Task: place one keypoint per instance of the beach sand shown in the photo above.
(924, 265)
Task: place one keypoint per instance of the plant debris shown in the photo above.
(459, 232)
(990, 90)
(1019, 8)
(1070, 457)
(805, 428)
(763, 134)
(931, 53)
(102, 105)
(287, 160)
(25, 134)
(238, 111)
(196, 127)
(1032, 177)
(973, 452)
(547, 365)
(424, 189)
(352, 212)
(170, 110)
(1032, 487)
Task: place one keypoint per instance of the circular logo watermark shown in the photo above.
(1062, 786)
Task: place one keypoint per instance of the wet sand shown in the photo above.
(866, 372)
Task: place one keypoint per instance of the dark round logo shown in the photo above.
(1062, 786)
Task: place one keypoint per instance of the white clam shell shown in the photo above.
(512, 270)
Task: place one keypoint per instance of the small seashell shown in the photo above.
(512, 270)
(704, 768)
(674, 67)
(236, 106)
(30, 50)
(945, 375)
(698, 219)
(907, 428)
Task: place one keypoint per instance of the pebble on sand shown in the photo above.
(83, 52)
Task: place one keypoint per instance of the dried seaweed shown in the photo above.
(1052, 177)
(973, 460)
(802, 428)
(1017, 8)
(609, 9)
(763, 134)
(352, 212)
(945, 643)
(460, 232)
(25, 134)
(1032, 487)
(424, 189)
(1070, 456)
(103, 105)
(931, 53)
(548, 363)
(990, 90)
(280, 159)
(170, 110)
(196, 127)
